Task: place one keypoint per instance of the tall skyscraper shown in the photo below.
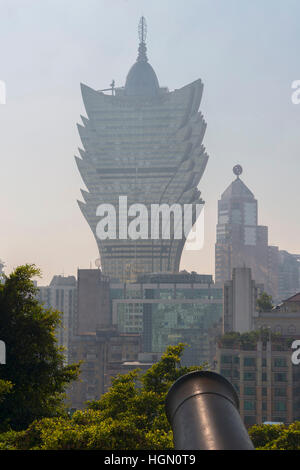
(143, 142)
(240, 240)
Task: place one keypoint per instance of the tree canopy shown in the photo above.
(33, 380)
(130, 416)
(264, 302)
(276, 437)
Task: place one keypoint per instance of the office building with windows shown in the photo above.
(167, 309)
(267, 382)
(103, 353)
(241, 242)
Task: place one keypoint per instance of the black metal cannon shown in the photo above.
(202, 408)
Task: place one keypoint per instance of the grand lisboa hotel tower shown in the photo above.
(142, 142)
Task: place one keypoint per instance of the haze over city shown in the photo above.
(244, 52)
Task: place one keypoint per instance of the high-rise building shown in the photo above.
(297, 257)
(273, 273)
(167, 309)
(264, 376)
(144, 143)
(288, 274)
(61, 295)
(103, 353)
(240, 301)
(240, 240)
(93, 311)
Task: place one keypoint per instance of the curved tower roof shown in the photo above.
(141, 79)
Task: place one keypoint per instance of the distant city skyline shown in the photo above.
(244, 52)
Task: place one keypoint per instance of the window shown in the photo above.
(291, 329)
(250, 213)
(236, 216)
(280, 377)
(250, 236)
(264, 392)
(264, 362)
(226, 359)
(280, 406)
(226, 372)
(264, 377)
(223, 219)
(250, 420)
(249, 376)
(280, 392)
(249, 405)
(264, 406)
(280, 362)
(278, 329)
(249, 361)
(278, 419)
(249, 391)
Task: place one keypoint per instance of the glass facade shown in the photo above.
(184, 322)
(168, 314)
(145, 143)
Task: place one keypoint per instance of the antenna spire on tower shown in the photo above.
(142, 29)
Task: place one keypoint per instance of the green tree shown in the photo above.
(276, 437)
(130, 416)
(264, 302)
(263, 434)
(5, 387)
(34, 363)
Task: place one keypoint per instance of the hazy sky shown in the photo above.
(245, 51)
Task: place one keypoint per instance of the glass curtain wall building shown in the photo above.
(169, 313)
(143, 142)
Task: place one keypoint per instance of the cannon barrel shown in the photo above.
(202, 408)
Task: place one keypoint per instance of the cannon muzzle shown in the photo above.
(202, 408)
